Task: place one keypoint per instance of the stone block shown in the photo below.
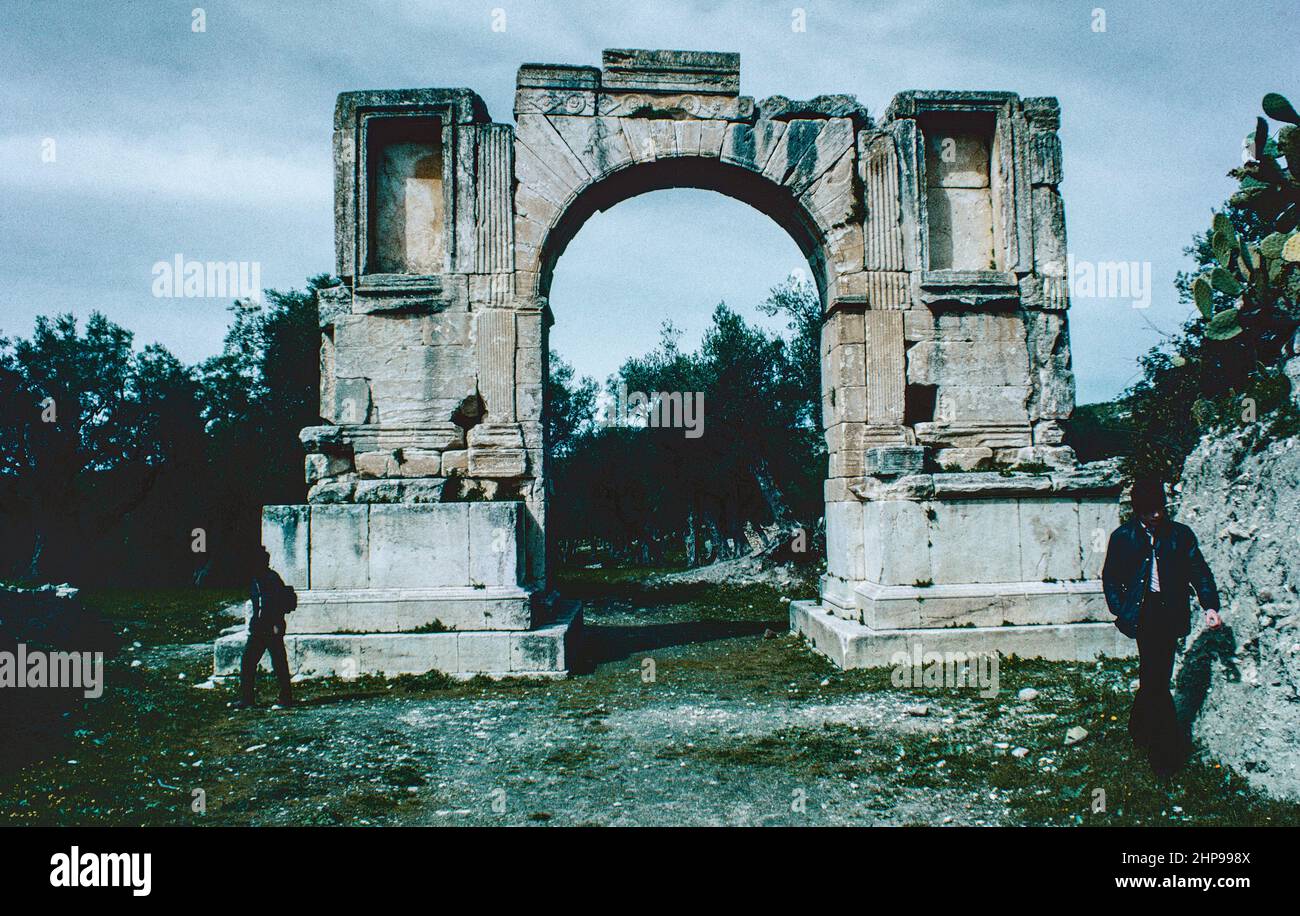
(340, 547)
(1048, 432)
(973, 326)
(415, 546)
(484, 653)
(973, 434)
(941, 607)
(989, 484)
(352, 401)
(852, 645)
(851, 404)
(848, 365)
(498, 462)
(960, 229)
(964, 459)
(975, 540)
(912, 487)
(404, 610)
(750, 146)
(1049, 540)
(842, 327)
(495, 543)
(540, 651)
(419, 462)
(959, 362)
(1058, 457)
(414, 490)
(844, 539)
(884, 370)
(332, 491)
(285, 531)
(898, 549)
(454, 462)
(377, 464)
(894, 460)
(392, 654)
(318, 466)
(1045, 157)
(1098, 517)
(982, 404)
(486, 435)
(700, 72)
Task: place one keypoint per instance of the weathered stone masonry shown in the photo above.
(936, 239)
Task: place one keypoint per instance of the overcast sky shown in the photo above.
(216, 145)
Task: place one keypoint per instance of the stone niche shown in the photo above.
(960, 187)
(406, 207)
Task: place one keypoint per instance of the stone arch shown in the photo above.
(937, 239)
(703, 173)
(586, 138)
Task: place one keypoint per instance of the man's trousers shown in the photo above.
(259, 643)
(1153, 723)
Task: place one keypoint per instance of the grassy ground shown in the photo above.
(694, 706)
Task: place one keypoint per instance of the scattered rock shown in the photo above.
(1075, 735)
(1027, 693)
(918, 710)
(1020, 752)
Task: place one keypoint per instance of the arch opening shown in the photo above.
(702, 173)
(731, 489)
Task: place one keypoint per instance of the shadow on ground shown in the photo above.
(600, 643)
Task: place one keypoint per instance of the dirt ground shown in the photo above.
(694, 707)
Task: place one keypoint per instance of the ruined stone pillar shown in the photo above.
(979, 532)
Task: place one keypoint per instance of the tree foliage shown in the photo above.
(637, 493)
(118, 465)
(1223, 367)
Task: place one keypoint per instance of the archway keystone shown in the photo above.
(955, 517)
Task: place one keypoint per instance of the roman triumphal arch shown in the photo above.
(956, 519)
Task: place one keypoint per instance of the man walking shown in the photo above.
(1152, 565)
(271, 599)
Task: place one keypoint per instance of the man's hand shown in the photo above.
(1212, 619)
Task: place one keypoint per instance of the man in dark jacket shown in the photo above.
(1153, 564)
(270, 599)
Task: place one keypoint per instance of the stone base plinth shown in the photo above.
(411, 610)
(545, 651)
(850, 644)
(976, 604)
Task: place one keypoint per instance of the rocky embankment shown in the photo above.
(1241, 494)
